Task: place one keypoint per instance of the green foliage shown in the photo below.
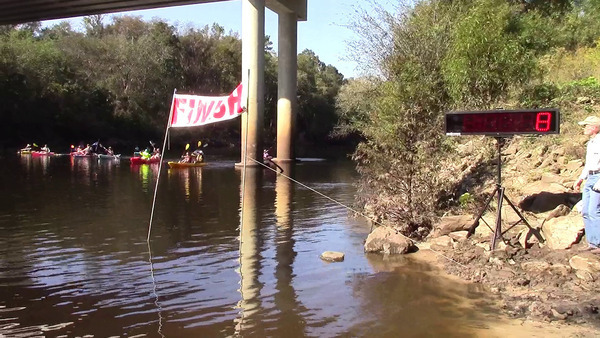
(585, 87)
(114, 80)
(465, 200)
(486, 57)
(318, 86)
(539, 95)
(430, 56)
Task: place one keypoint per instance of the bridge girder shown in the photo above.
(22, 11)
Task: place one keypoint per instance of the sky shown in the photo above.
(324, 32)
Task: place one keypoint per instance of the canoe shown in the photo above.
(175, 165)
(140, 160)
(42, 153)
(109, 157)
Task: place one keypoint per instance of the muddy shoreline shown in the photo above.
(535, 285)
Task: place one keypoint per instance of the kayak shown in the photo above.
(140, 160)
(42, 153)
(76, 154)
(24, 152)
(109, 157)
(175, 165)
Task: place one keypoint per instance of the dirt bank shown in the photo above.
(537, 285)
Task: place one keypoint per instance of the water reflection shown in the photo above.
(146, 173)
(283, 315)
(250, 257)
(82, 169)
(191, 180)
(74, 259)
(35, 164)
(155, 293)
(286, 297)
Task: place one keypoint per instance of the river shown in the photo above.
(74, 259)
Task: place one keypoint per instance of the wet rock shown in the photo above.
(332, 256)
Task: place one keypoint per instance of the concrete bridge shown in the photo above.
(253, 60)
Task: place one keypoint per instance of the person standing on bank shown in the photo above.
(590, 201)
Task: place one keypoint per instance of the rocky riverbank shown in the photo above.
(538, 270)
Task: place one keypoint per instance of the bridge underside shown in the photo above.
(21, 11)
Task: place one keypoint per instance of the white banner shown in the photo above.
(194, 110)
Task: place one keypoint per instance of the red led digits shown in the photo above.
(503, 122)
(542, 121)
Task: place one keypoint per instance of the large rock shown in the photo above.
(586, 265)
(586, 262)
(563, 232)
(332, 256)
(388, 241)
(450, 224)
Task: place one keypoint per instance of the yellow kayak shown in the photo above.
(174, 165)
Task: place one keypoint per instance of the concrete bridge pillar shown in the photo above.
(287, 86)
(253, 74)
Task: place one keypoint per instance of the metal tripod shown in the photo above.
(501, 197)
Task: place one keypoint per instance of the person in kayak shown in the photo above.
(27, 148)
(268, 160)
(87, 150)
(45, 148)
(156, 153)
(198, 154)
(146, 154)
(186, 157)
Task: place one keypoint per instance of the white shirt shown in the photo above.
(592, 156)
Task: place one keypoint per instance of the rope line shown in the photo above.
(349, 208)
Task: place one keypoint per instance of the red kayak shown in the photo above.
(42, 153)
(141, 160)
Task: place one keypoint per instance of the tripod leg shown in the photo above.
(487, 204)
(498, 232)
(535, 232)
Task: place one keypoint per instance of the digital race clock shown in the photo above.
(503, 122)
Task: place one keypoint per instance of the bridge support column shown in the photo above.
(253, 75)
(287, 101)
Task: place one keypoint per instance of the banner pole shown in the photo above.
(160, 164)
(245, 150)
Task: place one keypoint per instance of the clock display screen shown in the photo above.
(503, 122)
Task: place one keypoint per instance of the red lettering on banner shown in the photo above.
(219, 110)
(234, 101)
(183, 110)
(203, 111)
(189, 110)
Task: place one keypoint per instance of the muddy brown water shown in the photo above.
(74, 260)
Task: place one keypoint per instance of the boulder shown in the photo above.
(450, 224)
(388, 241)
(563, 232)
(586, 262)
(559, 211)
